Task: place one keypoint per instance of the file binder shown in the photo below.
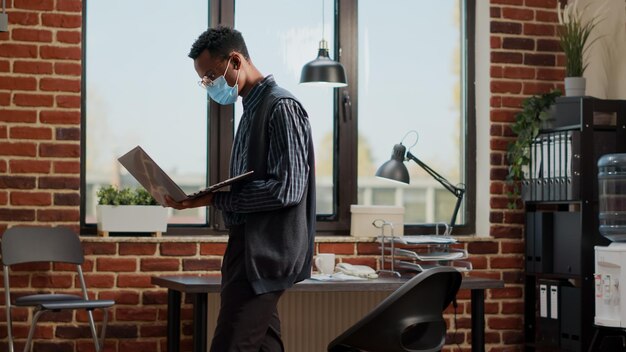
(570, 318)
(546, 167)
(573, 171)
(543, 301)
(554, 302)
(539, 243)
(537, 171)
(548, 327)
(554, 168)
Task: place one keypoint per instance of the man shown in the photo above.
(271, 218)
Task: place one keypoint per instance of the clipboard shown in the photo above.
(152, 177)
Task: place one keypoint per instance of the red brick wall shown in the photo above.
(40, 69)
(40, 73)
(121, 270)
(525, 59)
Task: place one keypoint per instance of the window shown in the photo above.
(140, 89)
(281, 48)
(408, 64)
(410, 75)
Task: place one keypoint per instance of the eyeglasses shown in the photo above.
(206, 82)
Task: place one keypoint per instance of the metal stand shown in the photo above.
(424, 253)
(380, 223)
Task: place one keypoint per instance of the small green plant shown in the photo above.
(526, 127)
(110, 195)
(574, 34)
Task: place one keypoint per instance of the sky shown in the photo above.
(141, 86)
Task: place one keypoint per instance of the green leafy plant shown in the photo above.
(574, 35)
(110, 195)
(526, 127)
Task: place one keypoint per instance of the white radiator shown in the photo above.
(310, 320)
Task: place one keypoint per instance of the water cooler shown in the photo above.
(610, 261)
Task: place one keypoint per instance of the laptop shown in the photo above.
(158, 183)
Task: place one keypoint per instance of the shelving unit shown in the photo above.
(561, 205)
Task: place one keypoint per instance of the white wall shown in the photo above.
(606, 73)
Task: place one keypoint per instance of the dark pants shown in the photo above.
(247, 321)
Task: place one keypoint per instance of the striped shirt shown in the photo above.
(287, 166)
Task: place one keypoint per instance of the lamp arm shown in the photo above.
(457, 191)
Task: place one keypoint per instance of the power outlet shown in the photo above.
(4, 22)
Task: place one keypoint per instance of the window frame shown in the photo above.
(220, 127)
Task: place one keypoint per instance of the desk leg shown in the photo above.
(200, 306)
(478, 320)
(173, 320)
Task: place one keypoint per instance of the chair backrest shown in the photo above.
(21, 244)
(410, 319)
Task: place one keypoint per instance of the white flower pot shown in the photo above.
(131, 218)
(575, 86)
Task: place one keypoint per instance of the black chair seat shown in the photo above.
(78, 304)
(38, 299)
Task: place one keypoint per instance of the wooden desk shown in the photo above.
(200, 287)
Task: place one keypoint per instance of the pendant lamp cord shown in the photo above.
(4, 6)
(323, 1)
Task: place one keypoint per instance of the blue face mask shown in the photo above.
(221, 92)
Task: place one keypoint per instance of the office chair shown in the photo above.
(56, 245)
(410, 319)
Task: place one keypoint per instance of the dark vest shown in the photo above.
(278, 243)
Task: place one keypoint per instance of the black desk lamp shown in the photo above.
(395, 170)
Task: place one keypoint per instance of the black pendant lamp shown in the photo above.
(323, 71)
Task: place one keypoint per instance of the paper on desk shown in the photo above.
(430, 256)
(441, 256)
(419, 239)
(336, 277)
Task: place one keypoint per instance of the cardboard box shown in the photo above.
(364, 215)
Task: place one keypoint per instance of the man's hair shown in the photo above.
(220, 42)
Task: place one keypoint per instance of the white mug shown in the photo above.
(325, 263)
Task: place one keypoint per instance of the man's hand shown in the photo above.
(205, 200)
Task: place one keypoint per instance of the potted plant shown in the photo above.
(574, 34)
(129, 210)
(535, 111)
